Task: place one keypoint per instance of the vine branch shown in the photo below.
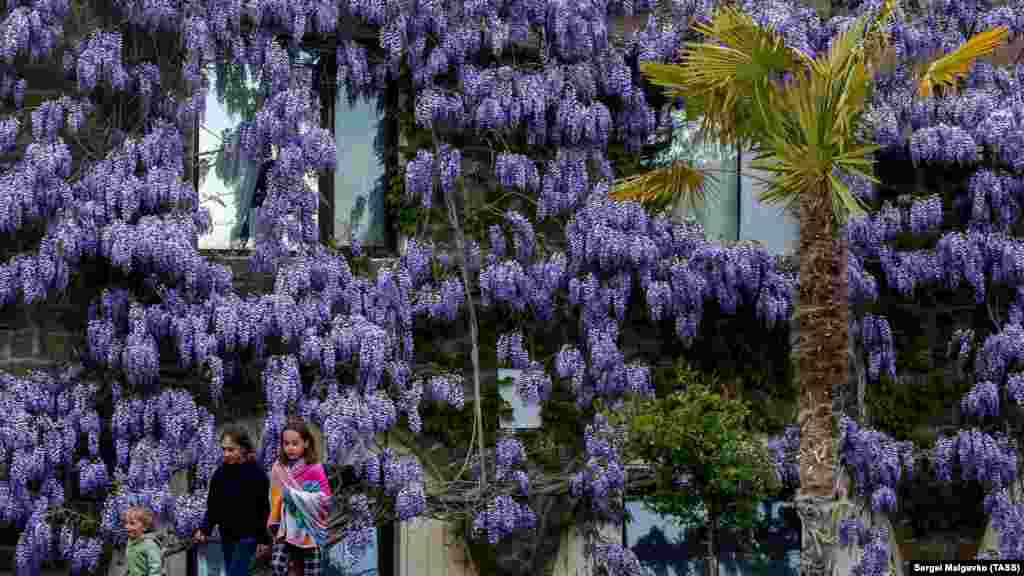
(460, 245)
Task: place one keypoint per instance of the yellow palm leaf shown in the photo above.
(877, 39)
(887, 10)
(953, 66)
(668, 76)
(735, 50)
(725, 71)
(678, 180)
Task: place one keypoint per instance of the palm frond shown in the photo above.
(813, 135)
(725, 71)
(736, 52)
(668, 76)
(679, 180)
(844, 203)
(953, 66)
(801, 128)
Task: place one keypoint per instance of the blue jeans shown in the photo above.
(237, 555)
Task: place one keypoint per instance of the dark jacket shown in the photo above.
(238, 502)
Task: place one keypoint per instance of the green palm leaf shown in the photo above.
(662, 186)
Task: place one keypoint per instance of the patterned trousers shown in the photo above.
(282, 552)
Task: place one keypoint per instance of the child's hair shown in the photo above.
(143, 514)
(312, 455)
(240, 436)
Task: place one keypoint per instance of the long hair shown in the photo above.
(298, 425)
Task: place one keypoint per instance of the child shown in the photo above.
(238, 503)
(143, 555)
(299, 499)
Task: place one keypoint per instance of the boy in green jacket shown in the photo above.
(143, 555)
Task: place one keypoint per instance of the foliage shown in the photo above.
(706, 454)
(801, 127)
(905, 411)
(236, 89)
(951, 68)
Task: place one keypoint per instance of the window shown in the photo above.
(666, 548)
(366, 135)
(354, 193)
(732, 211)
(524, 416)
(720, 214)
(228, 181)
(358, 178)
(659, 544)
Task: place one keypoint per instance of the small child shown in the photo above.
(143, 555)
(299, 500)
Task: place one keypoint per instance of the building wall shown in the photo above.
(572, 559)
(427, 547)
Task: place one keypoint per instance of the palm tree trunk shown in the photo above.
(822, 363)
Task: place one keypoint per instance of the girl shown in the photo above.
(237, 502)
(299, 499)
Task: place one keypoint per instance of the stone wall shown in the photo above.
(39, 336)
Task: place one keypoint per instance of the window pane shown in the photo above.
(774, 226)
(779, 538)
(720, 214)
(523, 415)
(660, 544)
(227, 182)
(358, 195)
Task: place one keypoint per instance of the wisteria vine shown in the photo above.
(333, 346)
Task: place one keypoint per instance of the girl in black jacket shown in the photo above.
(238, 503)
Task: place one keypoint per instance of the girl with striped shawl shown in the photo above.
(299, 502)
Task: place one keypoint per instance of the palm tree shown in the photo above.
(800, 116)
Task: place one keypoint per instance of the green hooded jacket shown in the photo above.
(143, 556)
